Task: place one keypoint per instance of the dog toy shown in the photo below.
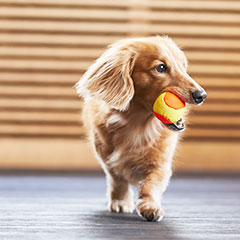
(168, 108)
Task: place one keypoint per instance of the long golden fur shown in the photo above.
(134, 147)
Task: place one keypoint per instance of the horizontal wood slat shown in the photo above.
(56, 104)
(44, 117)
(118, 28)
(37, 130)
(215, 121)
(67, 66)
(214, 134)
(218, 82)
(195, 5)
(65, 14)
(216, 107)
(60, 40)
(217, 69)
(67, 3)
(42, 78)
(46, 46)
(58, 54)
(120, 15)
(228, 58)
(88, 55)
(39, 90)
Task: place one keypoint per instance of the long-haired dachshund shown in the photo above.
(132, 145)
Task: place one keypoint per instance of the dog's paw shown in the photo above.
(150, 210)
(121, 206)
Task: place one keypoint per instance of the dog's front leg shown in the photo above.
(120, 194)
(150, 192)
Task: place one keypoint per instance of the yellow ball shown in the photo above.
(168, 108)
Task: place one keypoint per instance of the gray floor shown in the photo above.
(71, 207)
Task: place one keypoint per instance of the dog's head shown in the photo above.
(142, 68)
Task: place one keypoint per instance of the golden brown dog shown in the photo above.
(133, 146)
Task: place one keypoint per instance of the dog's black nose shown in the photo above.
(199, 96)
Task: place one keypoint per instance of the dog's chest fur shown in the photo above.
(133, 146)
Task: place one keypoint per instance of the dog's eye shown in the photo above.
(161, 68)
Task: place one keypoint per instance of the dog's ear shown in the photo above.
(109, 78)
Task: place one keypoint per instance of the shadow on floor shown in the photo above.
(107, 225)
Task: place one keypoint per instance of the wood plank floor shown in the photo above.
(74, 207)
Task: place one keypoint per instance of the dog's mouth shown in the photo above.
(178, 126)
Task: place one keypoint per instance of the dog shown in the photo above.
(132, 145)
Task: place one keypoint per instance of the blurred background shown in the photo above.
(45, 47)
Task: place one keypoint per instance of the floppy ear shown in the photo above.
(109, 78)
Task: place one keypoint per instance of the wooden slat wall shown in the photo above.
(45, 46)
